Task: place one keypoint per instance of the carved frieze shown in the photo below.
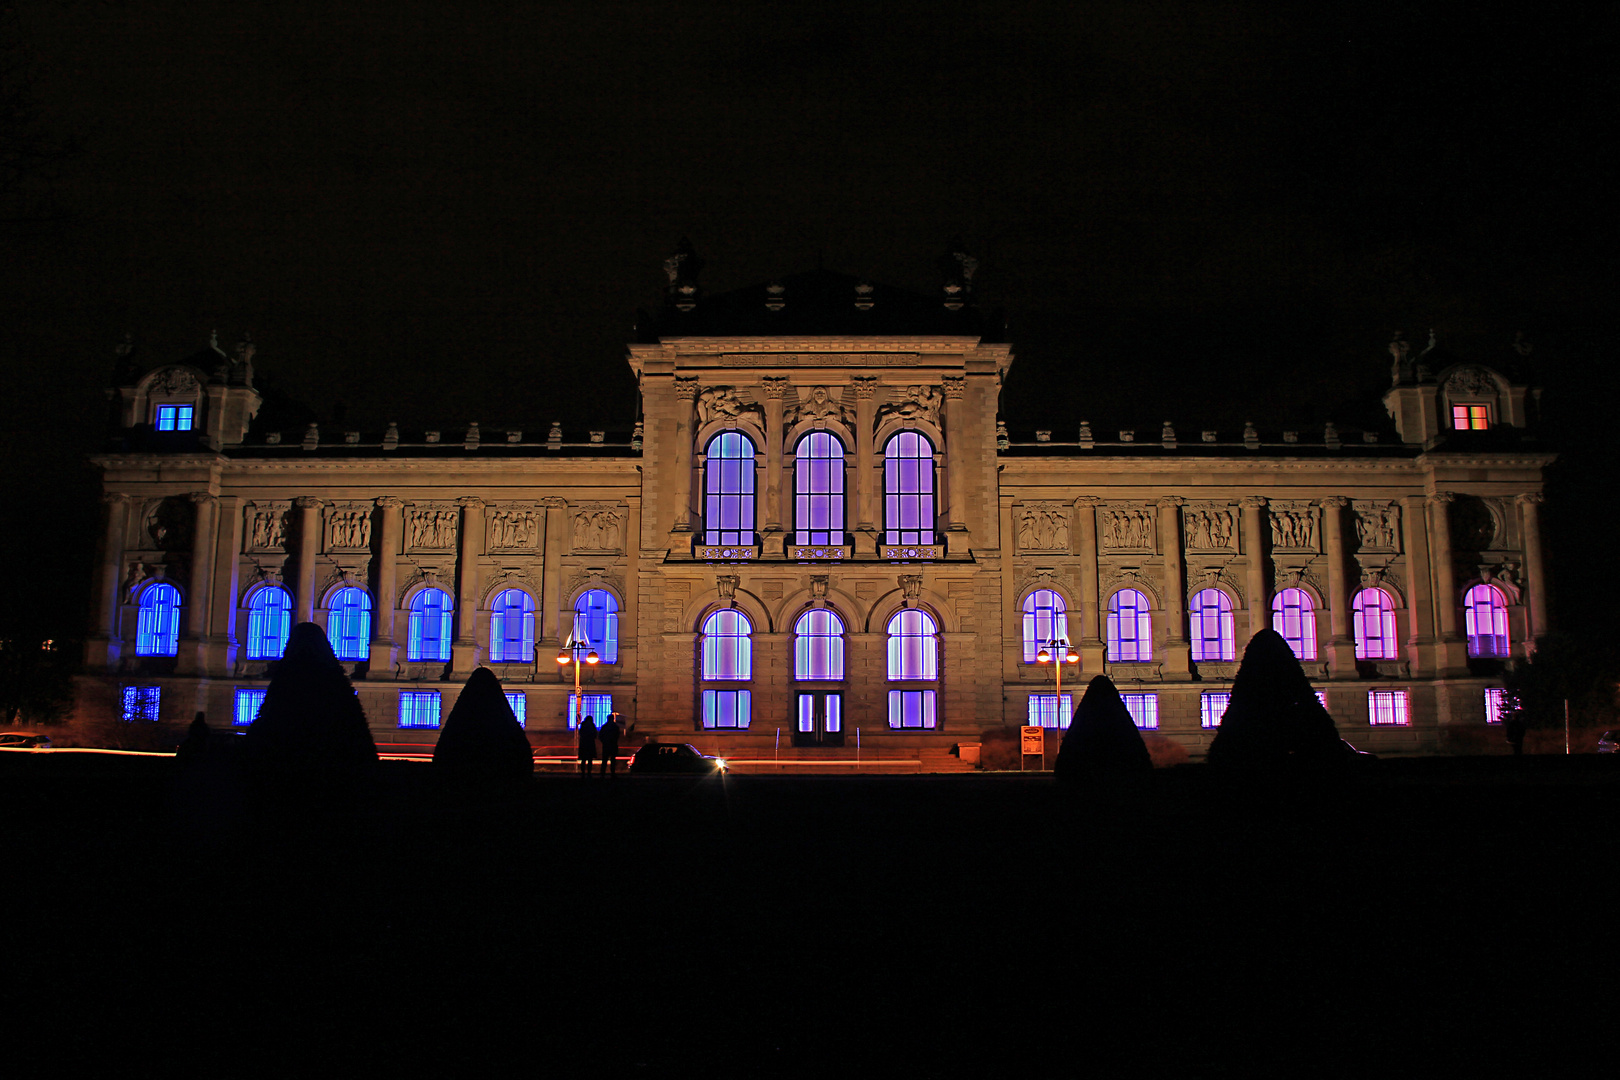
(266, 526)
(820, 405)
(173, 380)
(348, 526)
(1042, 526)
(911, 404)
(598, 526)
(595, 577)
(431, 526)
(1210, 526)
(1378, 525)
(514, 527)
(1294, 526)
(820, 359)
(510, 577)
(1127, 527)
(722, 403)
(1470, 382)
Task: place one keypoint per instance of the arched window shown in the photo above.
(596, 616)
(157, 628)
(1212, 633)
(348, 623)
(908, 489)
(1045, 620)
(818, 646)
(1130, 626)
(1485, 620)
(1294, 617)
(430, 626)
(269, 621)
(728, 490)
(818, 490)
(728, 651)
(914, 658)
(1373, 618)
(511, 627)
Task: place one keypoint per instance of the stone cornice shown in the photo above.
(673, 347)
(520, 467)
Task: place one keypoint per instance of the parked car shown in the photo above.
(1609, 743)
(675, 758)
(24, 740)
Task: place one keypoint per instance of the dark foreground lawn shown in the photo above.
(1444, 916)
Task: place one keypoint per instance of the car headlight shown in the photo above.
(720, 763)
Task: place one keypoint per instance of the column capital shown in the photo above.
(1335, 502)
(1091, 501)
(307, 502)
(113, 498)
(1253, 502)
(953, 386)
(1530, 498)
(554, 503)
(775, 386)
(202, 497)
(686, 388)
(1170, 502)
(865, 386)
(470, 501)
(1442, 498)
(390, 502)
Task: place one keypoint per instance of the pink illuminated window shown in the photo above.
(1485, 621)
(908, 489)
(1387, 708)
(1144, 709)
(1130, 627)
(818, 646)
(1212, 634)
(727, 646)
(913, 646)
(1495, 704)
(728, 490)
(1294, 617)
(1045, 620)
(911, 709)
(818, 490)
(1045, 710)
(1470, 417)
(1373, 619)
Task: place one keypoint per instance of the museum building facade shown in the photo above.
(820, 532)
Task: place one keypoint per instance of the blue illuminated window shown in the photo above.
(913, 646)
(728, 490)
(519, 701)
(1130, 627)
(174, 417)
(597, 707)
(908, 489)
(1045, 710)
(248, 703)
(1212, 632)
(1294, 617)
(1387, 708)
(1045, 619)
(1373, 620)
(596, 616)
(511, 627)
(1144, 709)
(348, 623)
(728, 648)
(141, 703)
(269, 622)
(1212, 706)
(419, 709)
(911, 709)
(818, 490)
(157, 627)
(727, 709)
(1485, 621)
(818, 646)
(430, 626)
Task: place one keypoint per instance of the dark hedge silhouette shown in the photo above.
(482, 739)
(1102, 742)
(311, 727)
(1274, 720)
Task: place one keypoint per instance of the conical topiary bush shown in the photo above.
(482, 738)
(311, 726)
(1274, 720)
(1102, 742)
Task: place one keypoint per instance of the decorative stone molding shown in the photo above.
(172, 380)
(1129, 577)
(787, 359)
(865, 386)
(1531, 498)
(775, 385)
(910, 552)
(953, 386)
(722, 553)
(1209, 526)
(686, 388)
(818, 586)
(1042, 526)
(820, 405)
(722, 403)
(1378, 525)
(1470, 381)
(726, 586)
(1130, 527)
(813, 553)
(431, 526)
(910, 587)
(514, 527)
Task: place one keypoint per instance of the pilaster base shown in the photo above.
(1177, 661)
(866, 541)
(1452, 657)
(463, 658)
(384, 660)
(1341, 658)
(958, 540)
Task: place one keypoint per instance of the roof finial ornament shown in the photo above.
(1400, 367)
(683, 268)
(1522, 344)
(213, 342)
(958, 268)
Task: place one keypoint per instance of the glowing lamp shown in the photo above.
(592, 658)
(563, 657)
(1043, 657)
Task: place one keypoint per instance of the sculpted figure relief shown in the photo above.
(269, 529)
(1129, 528)
(1375, 527)
(1210, 529)
(349, 529)
(514, 528)
(819, 406)
(1293, 529)
(1043, 528)
(920, 403)
(433, 528)
(722, 403)
(597, 529)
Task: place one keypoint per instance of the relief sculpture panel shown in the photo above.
(1210, 526)
(1126, 528)
(348, 527)
(1378, 526)
(266, 526)
(598, 527)
(431, 527)
(514, 528)
(1042, 526)
(1293, 527)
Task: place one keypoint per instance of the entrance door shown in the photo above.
(820, 721)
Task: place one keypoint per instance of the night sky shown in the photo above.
(1199, 212)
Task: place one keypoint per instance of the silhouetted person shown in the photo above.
(482, 738)
(1514, 728)
(587, 744)
(195, 745)
(1102, 742)
(611, 731)
(1274, 721)
(311, 728)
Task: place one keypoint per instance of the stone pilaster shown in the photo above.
(685, 394)
(1177, 653)
(551, 571)
(1419, 591)
(1535, 575)
(956, 465)
(464, 651)
(867, 482)
(1254, 553)
(309, 545)
(102, 650)
(1341, 650)
(220, 654)
(775, 453)
(1090, 639)
(1452, 653)
(384, 643)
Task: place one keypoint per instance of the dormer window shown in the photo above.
(174, 417)
(1471, 417)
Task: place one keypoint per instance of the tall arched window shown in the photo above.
(1130, 626)
(818, 646)
(1485, 621)
(1294, 617)
(728, 651)
(348, 623)
(157, 627)
(511, 627)
(913, 658)
(1373, 619)
(269, 622)
(818, 490)
(1045, 619)
(728, 490)
(596, 615)
(1212, 633)
(908, 489)
(430, 626)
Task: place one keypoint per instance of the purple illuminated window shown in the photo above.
(1495, 704)
(1387, 708)
(727, 648)
(908, 489)
(596, 617)
(430, 626)
(1212, 706)
(141, 703)
(248, 702)
(157, 626)
(1373, 619)
(727, 708)
(728, 490)
(1045, 619)
(269, 623)
(1144, 709)
(911, 709)
(1294, 617)
(818, 646)
(1045, 710)
(1130, 627)
(832, 706)
(348, 623)
(511, 627)
(419, 708)
(1485, 620)
(1212, 633)
(913, 646)
(818, 490)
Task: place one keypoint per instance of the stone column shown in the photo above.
(309, 543)
(1254, 541)
(956, 455)
(1419, 594)
(775, 464)
(867, 484)
(220, 656)
(551, 572)
(1177, 653)
(1453, 653)
(1535, 581)
(202, 564)
(464, 651)
(1090, 629)
(1341, 651)
(384, 645)
(103, 647)
(685, 394)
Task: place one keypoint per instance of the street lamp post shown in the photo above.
(1057, 652)
(570, 651)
